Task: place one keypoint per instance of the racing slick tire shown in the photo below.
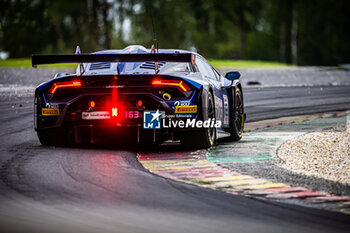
(204, 137)
(46, 137)
(237, 116)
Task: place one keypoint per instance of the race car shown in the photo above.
(149, 95)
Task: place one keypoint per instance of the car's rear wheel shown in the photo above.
(46, 137)
(237, 117)
(204, 137)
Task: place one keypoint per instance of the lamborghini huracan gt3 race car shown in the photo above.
(153, 96)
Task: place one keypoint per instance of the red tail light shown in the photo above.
(91, 104)
(139, 103)
(59, 85)
(177, 83)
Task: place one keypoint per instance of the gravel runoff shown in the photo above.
(324, 154)
(269, 169)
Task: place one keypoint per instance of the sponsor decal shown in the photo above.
(218, 102)
(97, 115)
(151, 119)
(48, 105)
(182, 103)
(186, 109)
(226, 116)
(50, 112)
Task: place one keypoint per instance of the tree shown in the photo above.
(244, 15)
(313, 32)
(294, 33)
(24, 27)
(29, 27)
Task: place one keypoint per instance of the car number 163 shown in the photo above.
(132, 114)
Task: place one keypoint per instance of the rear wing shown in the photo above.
(123, 57)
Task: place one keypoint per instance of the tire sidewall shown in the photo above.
(210, 137)
(236, 134)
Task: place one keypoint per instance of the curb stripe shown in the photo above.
(190, 167)
(303, 194)
(193, 167)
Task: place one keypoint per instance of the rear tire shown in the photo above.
(47, 137)
(44, 138)
(237, 116)
(204, 137)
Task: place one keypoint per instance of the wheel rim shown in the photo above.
(211, 115)
(239, 111)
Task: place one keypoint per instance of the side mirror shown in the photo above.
(232, 75)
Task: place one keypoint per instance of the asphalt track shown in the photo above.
(52, 189)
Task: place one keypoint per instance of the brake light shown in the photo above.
(114, 112)
(59, 85)
(177, 83)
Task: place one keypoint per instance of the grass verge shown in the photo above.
(246, 63)
(27, 63)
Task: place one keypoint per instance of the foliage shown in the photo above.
(222, 64)
(27, 63)
(226, 29)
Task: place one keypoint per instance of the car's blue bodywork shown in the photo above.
(133, 81)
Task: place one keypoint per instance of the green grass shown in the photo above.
(246, 63)
(27, 63)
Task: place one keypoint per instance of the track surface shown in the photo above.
(106, 190)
